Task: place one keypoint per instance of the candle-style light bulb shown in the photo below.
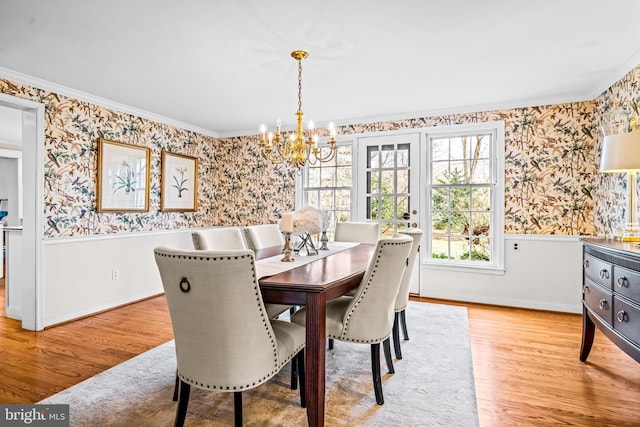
(263, 129)
(310, 130)
(332, 131)
(278, 127)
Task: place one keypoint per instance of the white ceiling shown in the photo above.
(224, 65)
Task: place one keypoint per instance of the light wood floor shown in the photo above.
(526, 363)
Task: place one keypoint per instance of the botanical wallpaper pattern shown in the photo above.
(552, 183)
(611, 189)
(235, 186)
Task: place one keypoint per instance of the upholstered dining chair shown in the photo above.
(402, 299)
(215, 348)
(263, 236)
(363, 232)
(224, 238)
(218, 238)
(367, 317)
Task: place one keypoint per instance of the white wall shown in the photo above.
(544, 273)
(79, 272)
(10, 172)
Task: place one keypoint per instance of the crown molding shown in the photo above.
(86, 97)
(628, 65)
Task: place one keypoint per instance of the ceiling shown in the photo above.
(224, 66)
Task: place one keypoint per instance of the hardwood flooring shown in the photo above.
(526, 365)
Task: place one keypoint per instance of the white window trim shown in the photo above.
(497, 218)
(348, 140)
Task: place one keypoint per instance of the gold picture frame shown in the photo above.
(178, 183)
(123, 177)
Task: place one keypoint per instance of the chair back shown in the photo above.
(219, 238)
(264, 235)
(224, 340)
(369, 317)
(363, 232)
(403, 292)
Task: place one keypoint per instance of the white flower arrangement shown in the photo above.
(309, 220)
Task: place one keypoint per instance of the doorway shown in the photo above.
(31, 278)
(388, 185)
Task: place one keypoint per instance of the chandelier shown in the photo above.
(297, 148)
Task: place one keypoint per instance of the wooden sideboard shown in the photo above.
(611, 294)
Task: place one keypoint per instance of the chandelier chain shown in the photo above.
(299, 85)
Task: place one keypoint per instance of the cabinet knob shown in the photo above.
(586, 263)
(623, 316)
(623, 282)
(603, 304)
(585, 287)
(604, 273)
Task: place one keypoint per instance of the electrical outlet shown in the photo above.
(115, 274)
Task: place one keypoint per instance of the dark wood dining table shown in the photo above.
(312, 285)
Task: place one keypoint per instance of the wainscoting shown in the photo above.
(544, 272)
(88, 275)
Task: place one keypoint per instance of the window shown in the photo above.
(465, 195)
(328, 186)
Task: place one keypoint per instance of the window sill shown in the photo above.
(498, 271)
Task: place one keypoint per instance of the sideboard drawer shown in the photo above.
(598, 270)
(627, 282)
(599, 300)
(626, 319)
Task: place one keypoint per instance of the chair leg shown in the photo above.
(294, 373)
(176, 388)
(375, 369)
(237, 408)
(403, 320)
(386, 345)
(300, 362)
(183, 402)
(330, 343)
(396, 336)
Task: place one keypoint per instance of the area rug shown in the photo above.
(433, 386)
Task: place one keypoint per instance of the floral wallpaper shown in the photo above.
(611, 189)
(235, 186)
(549, 164)
(552, 183)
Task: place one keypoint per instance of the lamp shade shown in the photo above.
(621, 152)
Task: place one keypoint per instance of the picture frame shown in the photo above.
(123, 177)
(178, 183)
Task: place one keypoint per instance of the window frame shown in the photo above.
(302, 177)
(496, 129)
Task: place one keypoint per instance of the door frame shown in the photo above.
(33, 206)
(415, 181)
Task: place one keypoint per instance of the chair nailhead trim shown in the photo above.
(265, 321)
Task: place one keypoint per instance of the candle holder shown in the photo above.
(324, 240)
(287, 248)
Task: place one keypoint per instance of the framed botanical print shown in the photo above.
(179, 183)
(123, 177)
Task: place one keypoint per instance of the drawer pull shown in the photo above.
(603, 304)
(604, 273)
(623, 282)
(623, 316)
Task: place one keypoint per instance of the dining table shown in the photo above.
(312, 285)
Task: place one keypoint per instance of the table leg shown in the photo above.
(315, 354)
